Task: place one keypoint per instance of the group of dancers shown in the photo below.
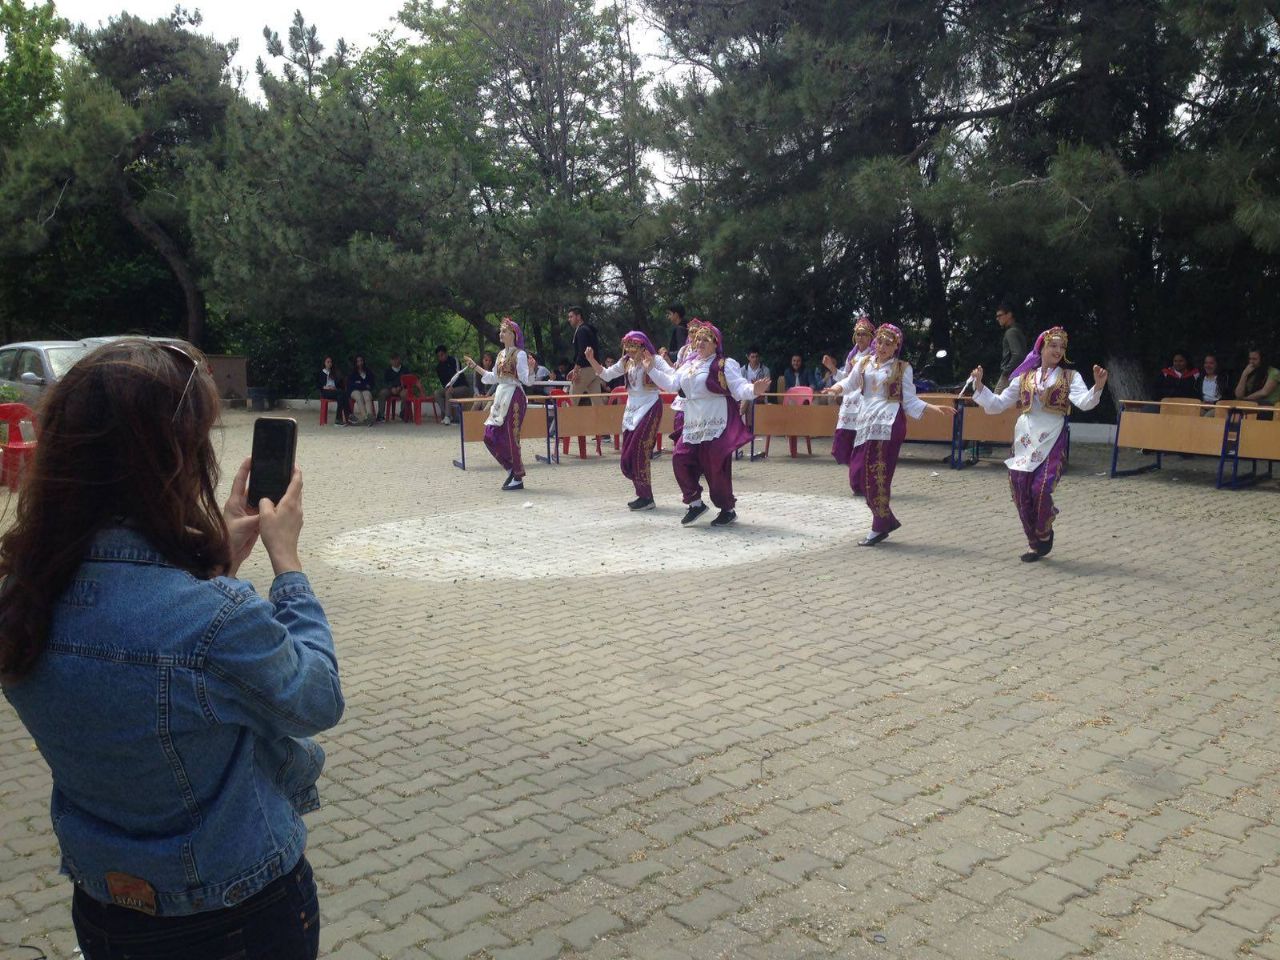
(877, 392)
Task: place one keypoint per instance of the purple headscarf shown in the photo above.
(640, 337)
(515, 328)
(1032, 360)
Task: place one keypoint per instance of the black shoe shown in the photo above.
(641, 503)
(693, 513)
(1031, 556)
(382, 419)
(1044, 546)
(724, 518)
(515, 483)
(871, 539)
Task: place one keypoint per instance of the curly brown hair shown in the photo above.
(124, 439)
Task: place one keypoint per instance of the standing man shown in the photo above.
(391, 387)
(753, 371)
(582, 378)
(446, 368)
(679, 332)
(1013, 344)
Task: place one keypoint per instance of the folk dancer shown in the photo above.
(510, 373)
(842, 443)
(642, 418)
(686, 351)
(887, 390)
(712, 429)
(1044, 390)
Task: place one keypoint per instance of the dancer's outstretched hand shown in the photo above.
(976, 377)
(468, 361)
(939, 408)
(589, 353)
(1099, 376)
(835, 389)
(760, 387)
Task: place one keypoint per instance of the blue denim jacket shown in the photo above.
(172, 711)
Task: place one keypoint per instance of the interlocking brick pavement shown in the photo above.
(574, 732)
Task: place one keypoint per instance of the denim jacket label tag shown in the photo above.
(133, 893)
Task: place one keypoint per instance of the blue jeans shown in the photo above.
(279, 922)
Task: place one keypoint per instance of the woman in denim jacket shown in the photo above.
(170, 701)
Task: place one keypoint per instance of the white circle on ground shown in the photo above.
(597, 537)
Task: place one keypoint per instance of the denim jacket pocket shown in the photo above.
(293, 765)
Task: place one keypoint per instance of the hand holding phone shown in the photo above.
(280, 525)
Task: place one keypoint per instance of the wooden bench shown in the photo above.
(475, 410)
(780, 419)
(978, 427)
(938, 427)
(1255, 439)
(1229, 431)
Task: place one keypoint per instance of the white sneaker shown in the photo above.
(446, 421)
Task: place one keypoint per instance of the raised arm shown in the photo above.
(851, 382)
(660, 372)
(1086, 398)
(989, 401)
(739, 387)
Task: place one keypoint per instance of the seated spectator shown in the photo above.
(1212, 384)
(360, 390)
(563, 369)
(391, 388)
(540, 375)
(797, 375)
(1259, 381)
(329, 383)
(478, 386)
(753, 370)
(1178, 379)
(447, 368)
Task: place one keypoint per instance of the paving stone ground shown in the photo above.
(576, 733)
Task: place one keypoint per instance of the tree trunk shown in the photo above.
(173, 255)
(935, 293)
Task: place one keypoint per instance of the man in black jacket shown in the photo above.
(679, 331)
(582, 378)
(446, 367)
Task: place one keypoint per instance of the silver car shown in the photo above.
(34, 365)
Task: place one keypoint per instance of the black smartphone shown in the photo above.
(275, 441)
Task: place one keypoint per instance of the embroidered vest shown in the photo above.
(1057, 399)
(506, 365)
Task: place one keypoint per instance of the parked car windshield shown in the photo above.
(62, 359)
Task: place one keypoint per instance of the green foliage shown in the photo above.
(1111, 165)
(29, 83)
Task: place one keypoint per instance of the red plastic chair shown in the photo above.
(15, 453)
(795, 397)
(617, 395)
(415, 395)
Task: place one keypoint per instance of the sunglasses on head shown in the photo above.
(195, 365)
